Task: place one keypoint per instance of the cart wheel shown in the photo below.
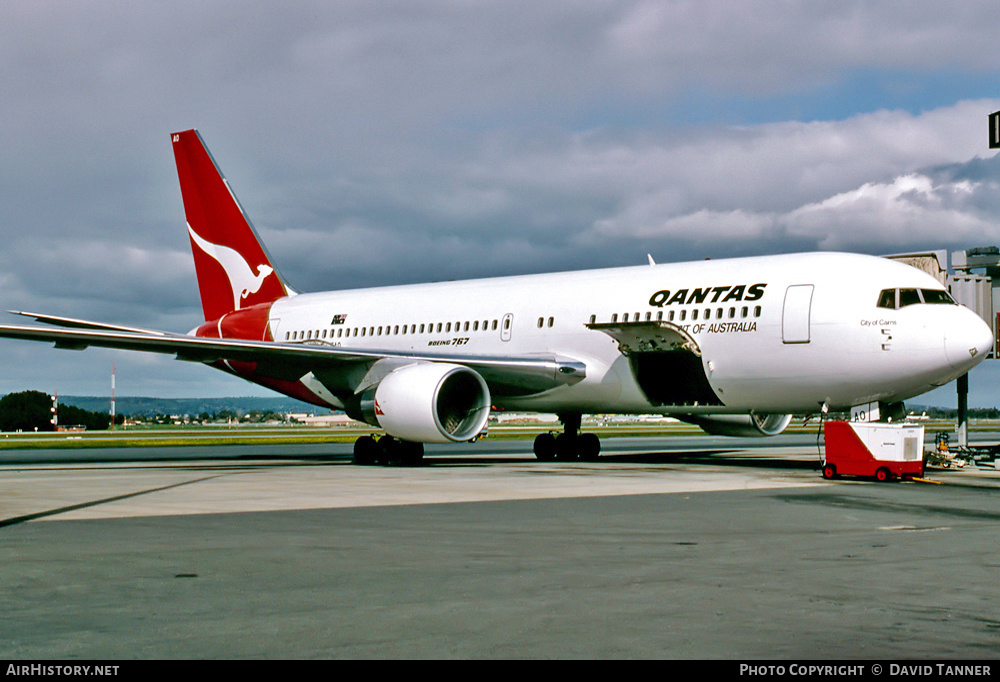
(829, 471)
(882, 475)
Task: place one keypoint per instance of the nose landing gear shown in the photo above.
(568, 445)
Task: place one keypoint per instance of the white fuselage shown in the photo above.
(776, 334)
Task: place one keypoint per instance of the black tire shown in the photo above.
(545, 447)
(387, 450)
(829, 472)
(882, 475)
(365, 449)
(567, 448)
(590, 447)
(410, 453)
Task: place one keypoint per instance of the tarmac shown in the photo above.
(683, 548)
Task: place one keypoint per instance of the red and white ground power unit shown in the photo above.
(877, 450)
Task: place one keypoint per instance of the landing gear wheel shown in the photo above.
(566, 447)
(385, 450)
(410, 453)
(545, 447)
(589, 446)
(390, 450)
(365, 451)
(882, 475)
(829, 472)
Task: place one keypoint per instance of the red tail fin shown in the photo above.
(234, 271)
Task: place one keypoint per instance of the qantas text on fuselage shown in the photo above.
(698, 295)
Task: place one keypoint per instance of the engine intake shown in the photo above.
(429, 402)
(754, 425)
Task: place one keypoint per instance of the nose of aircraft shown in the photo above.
(967, 340)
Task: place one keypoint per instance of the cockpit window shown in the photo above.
(887, 299)
(900, 298)
(937, 296)
(908, 297)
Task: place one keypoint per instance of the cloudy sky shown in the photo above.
(384, 143)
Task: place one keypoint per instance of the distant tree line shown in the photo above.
(32, 411)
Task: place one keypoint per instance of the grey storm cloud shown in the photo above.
(384, 143)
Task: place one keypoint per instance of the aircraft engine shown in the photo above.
(753, 425)
(429, 402)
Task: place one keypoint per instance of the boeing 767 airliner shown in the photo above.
(735, 346)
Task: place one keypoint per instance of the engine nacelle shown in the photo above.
(754, 425)
(429, 402)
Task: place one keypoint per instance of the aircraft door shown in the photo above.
(505, 326)
(796, 313)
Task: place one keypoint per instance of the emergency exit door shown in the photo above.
(795, 318)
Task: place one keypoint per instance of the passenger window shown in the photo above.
(551, 320)
(593, 319)
(756, 311)
(540, 321)
(466, 327)
(908, 297)
(614, 317)
(494, 325)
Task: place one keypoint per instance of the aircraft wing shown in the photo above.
(292, 361)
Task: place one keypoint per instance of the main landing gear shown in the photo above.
(570, 444)
(387, 450)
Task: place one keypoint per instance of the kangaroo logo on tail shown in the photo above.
(241, 277)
